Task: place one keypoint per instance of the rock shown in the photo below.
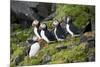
(89, 38)
(17, 60)
(91, 57)
(46, 59)
(60, 47)
(84, 45)
(24, 12)
(23, 7)
(50, 17)
(91, 43)
(86, 36)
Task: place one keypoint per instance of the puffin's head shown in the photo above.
(69, 19)
(35, 23)
(43, 26)
(55, 23)
(64, 18)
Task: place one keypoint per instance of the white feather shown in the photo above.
(68, 20)
(57, 36)
(34, 49)
(44, 36)
(35, 22)
(36, 33)
(67, 27)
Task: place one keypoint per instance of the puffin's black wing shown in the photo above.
(39, 31)
(31, 41)
(74, 29)
(50, 35)
(60, 32)
(63, 25)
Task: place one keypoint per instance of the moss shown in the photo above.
(75, 54)
(29, 61)
(12, 64)
(76, 51)
(80, 13)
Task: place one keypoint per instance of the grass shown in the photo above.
(76, 52)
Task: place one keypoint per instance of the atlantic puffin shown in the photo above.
(70, 27)
(46, 34)
(59, 31)
(36, 29)
(35, 46)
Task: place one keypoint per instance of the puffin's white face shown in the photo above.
(35, 38)
(68, 19)
(42, 26)
(35, 22)
(55, 23)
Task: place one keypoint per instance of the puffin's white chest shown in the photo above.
(56, 35)
(44, 36)
(36, 32)
(68, 29)
(34, 49)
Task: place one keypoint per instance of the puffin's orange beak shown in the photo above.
(43, 43)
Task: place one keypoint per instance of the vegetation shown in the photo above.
(75, 51)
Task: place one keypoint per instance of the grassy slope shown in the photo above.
(74, 53)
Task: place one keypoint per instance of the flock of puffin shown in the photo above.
(61, 29)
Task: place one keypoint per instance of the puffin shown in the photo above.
(59, 31)
(35, 46)
(70, 27)
(36, 29)
(46, 34)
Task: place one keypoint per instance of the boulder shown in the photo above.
(17, 60)
(46, 59)
(24, 12)
(89, 38)
(91, 57)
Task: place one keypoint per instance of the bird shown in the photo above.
(46, 34)
(70, 27)
(59, 31)
(36, 29)
(35, 46)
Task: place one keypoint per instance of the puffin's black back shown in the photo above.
(61, 33)
(39, 31)
(73, 28)
(49, 35)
